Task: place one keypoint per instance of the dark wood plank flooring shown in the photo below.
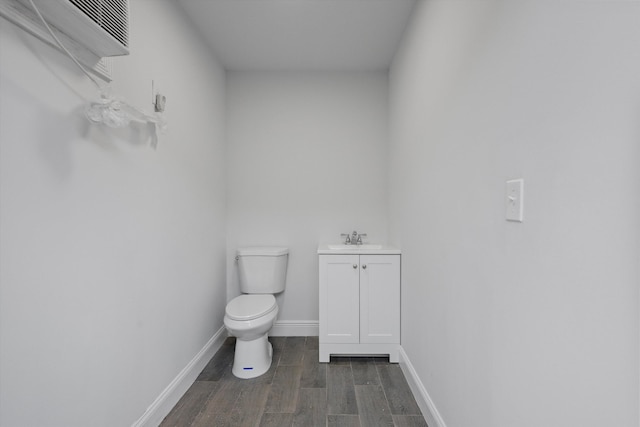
(299, 391)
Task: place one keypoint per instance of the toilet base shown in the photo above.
(252, 358)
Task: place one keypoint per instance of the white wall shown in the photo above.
(306, 162)
(536, 323)
(112, 255)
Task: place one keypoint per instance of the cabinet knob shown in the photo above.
(355, 265)
(364, 267)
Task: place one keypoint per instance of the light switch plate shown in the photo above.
(515, 197)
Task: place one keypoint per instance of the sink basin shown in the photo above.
(365, 249)
(352, 247)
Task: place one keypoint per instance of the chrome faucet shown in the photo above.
(359, 240)
(353, 238)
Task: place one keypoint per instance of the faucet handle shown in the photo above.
(347, 240)
(360, 236)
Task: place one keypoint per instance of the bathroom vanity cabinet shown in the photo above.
(359, 304)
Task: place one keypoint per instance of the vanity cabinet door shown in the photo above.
(339, 298)
(379, 298)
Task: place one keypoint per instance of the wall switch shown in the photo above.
(515, 196)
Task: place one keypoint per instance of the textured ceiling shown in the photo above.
(301, 34)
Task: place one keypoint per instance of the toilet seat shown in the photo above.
(249, 307)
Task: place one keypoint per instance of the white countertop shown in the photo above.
(332, 249)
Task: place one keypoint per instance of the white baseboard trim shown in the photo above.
(163, 404)
(428, 408)
(295, 328)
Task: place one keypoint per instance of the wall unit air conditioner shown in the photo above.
(90, 29)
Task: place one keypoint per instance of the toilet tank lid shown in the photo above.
(262, 251)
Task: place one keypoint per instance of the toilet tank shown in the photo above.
(262, 270)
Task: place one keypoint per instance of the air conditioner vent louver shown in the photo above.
(92, 30)
(111, 15)
(102, 26)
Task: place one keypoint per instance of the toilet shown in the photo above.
(250, 316)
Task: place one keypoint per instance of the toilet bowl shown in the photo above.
(250, 317)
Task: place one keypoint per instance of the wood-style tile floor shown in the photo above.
(299, 391)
